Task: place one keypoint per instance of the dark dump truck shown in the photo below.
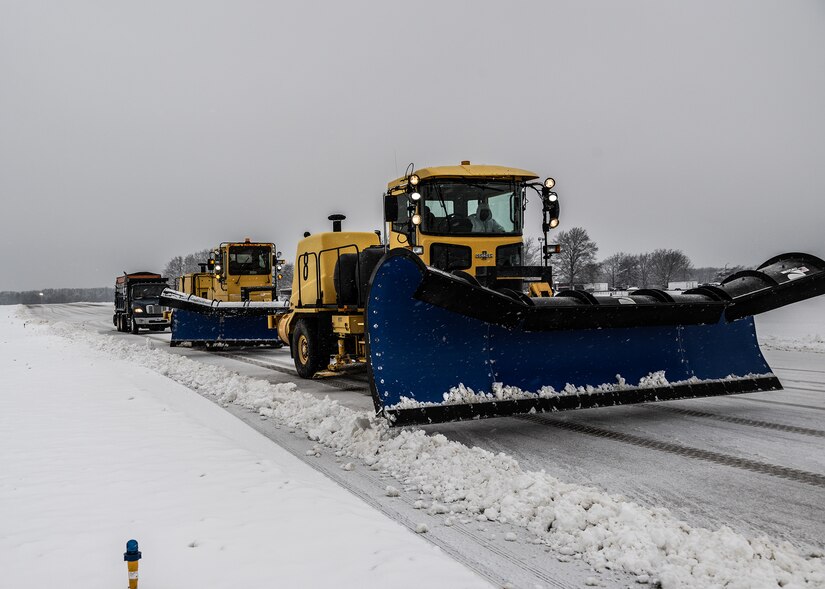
(137, 302)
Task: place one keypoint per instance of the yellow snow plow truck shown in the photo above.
(227, 302)
(452, 325)
(466, 220)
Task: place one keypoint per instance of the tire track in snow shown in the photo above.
(741, 420)
(786, 403)
(799, 369)
(340, 383)
(793, 474)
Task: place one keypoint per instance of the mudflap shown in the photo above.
(430, 364)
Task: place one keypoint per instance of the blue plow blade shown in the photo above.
(206, 329)
(200, 321)
(419, 351)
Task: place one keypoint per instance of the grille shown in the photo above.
(450, 257)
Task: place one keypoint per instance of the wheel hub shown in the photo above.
(303, 349)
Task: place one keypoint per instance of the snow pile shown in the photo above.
(464, 395)
(465, 483)
(809, 343)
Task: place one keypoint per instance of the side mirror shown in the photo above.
(390, 208)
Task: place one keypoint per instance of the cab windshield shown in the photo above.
(471, 207)
(147, 291)
(249, 260)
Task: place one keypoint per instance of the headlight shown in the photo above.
(416, 219)
(137, 310)
(554, 223)
(414, 180)
(552, 197)
(418, 249)
(549, 183)
(217, 267)
(415, 196)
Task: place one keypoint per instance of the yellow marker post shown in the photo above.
(132, 556)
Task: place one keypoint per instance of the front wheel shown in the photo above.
(133, 326)
(308, 349)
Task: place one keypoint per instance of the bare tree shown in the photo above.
(531, 254)
(668, 265)
(643, 270)
(590, 272)
(174, 268)
(180, 265)
(577, 252)
(620, 269)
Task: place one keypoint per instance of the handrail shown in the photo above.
(303, 260)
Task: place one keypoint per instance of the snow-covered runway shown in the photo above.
(694, 458)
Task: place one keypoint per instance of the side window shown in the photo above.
(400, 225)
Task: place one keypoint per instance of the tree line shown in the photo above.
(577, 264)
(102, 294)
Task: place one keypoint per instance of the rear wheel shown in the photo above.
(309, 351)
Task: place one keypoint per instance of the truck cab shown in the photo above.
(137, 302)
(236, 271)
(466, 219)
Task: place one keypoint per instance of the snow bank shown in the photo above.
(604, 530)
(810, 343)
(96, 451)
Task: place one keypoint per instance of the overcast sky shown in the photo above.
(131, 132)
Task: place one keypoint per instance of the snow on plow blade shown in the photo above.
(442, 348)
(202, 321)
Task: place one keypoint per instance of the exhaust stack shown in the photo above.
(336, 222)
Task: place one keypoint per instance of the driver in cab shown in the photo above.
(483, 221)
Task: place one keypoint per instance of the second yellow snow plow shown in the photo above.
(229, 301)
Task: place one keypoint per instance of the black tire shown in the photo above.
(114, 320)
(308, 349)
(121, 325)
(133, 326)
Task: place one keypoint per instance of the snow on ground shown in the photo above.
(97, 449)
(454, 480)
(796, 328)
